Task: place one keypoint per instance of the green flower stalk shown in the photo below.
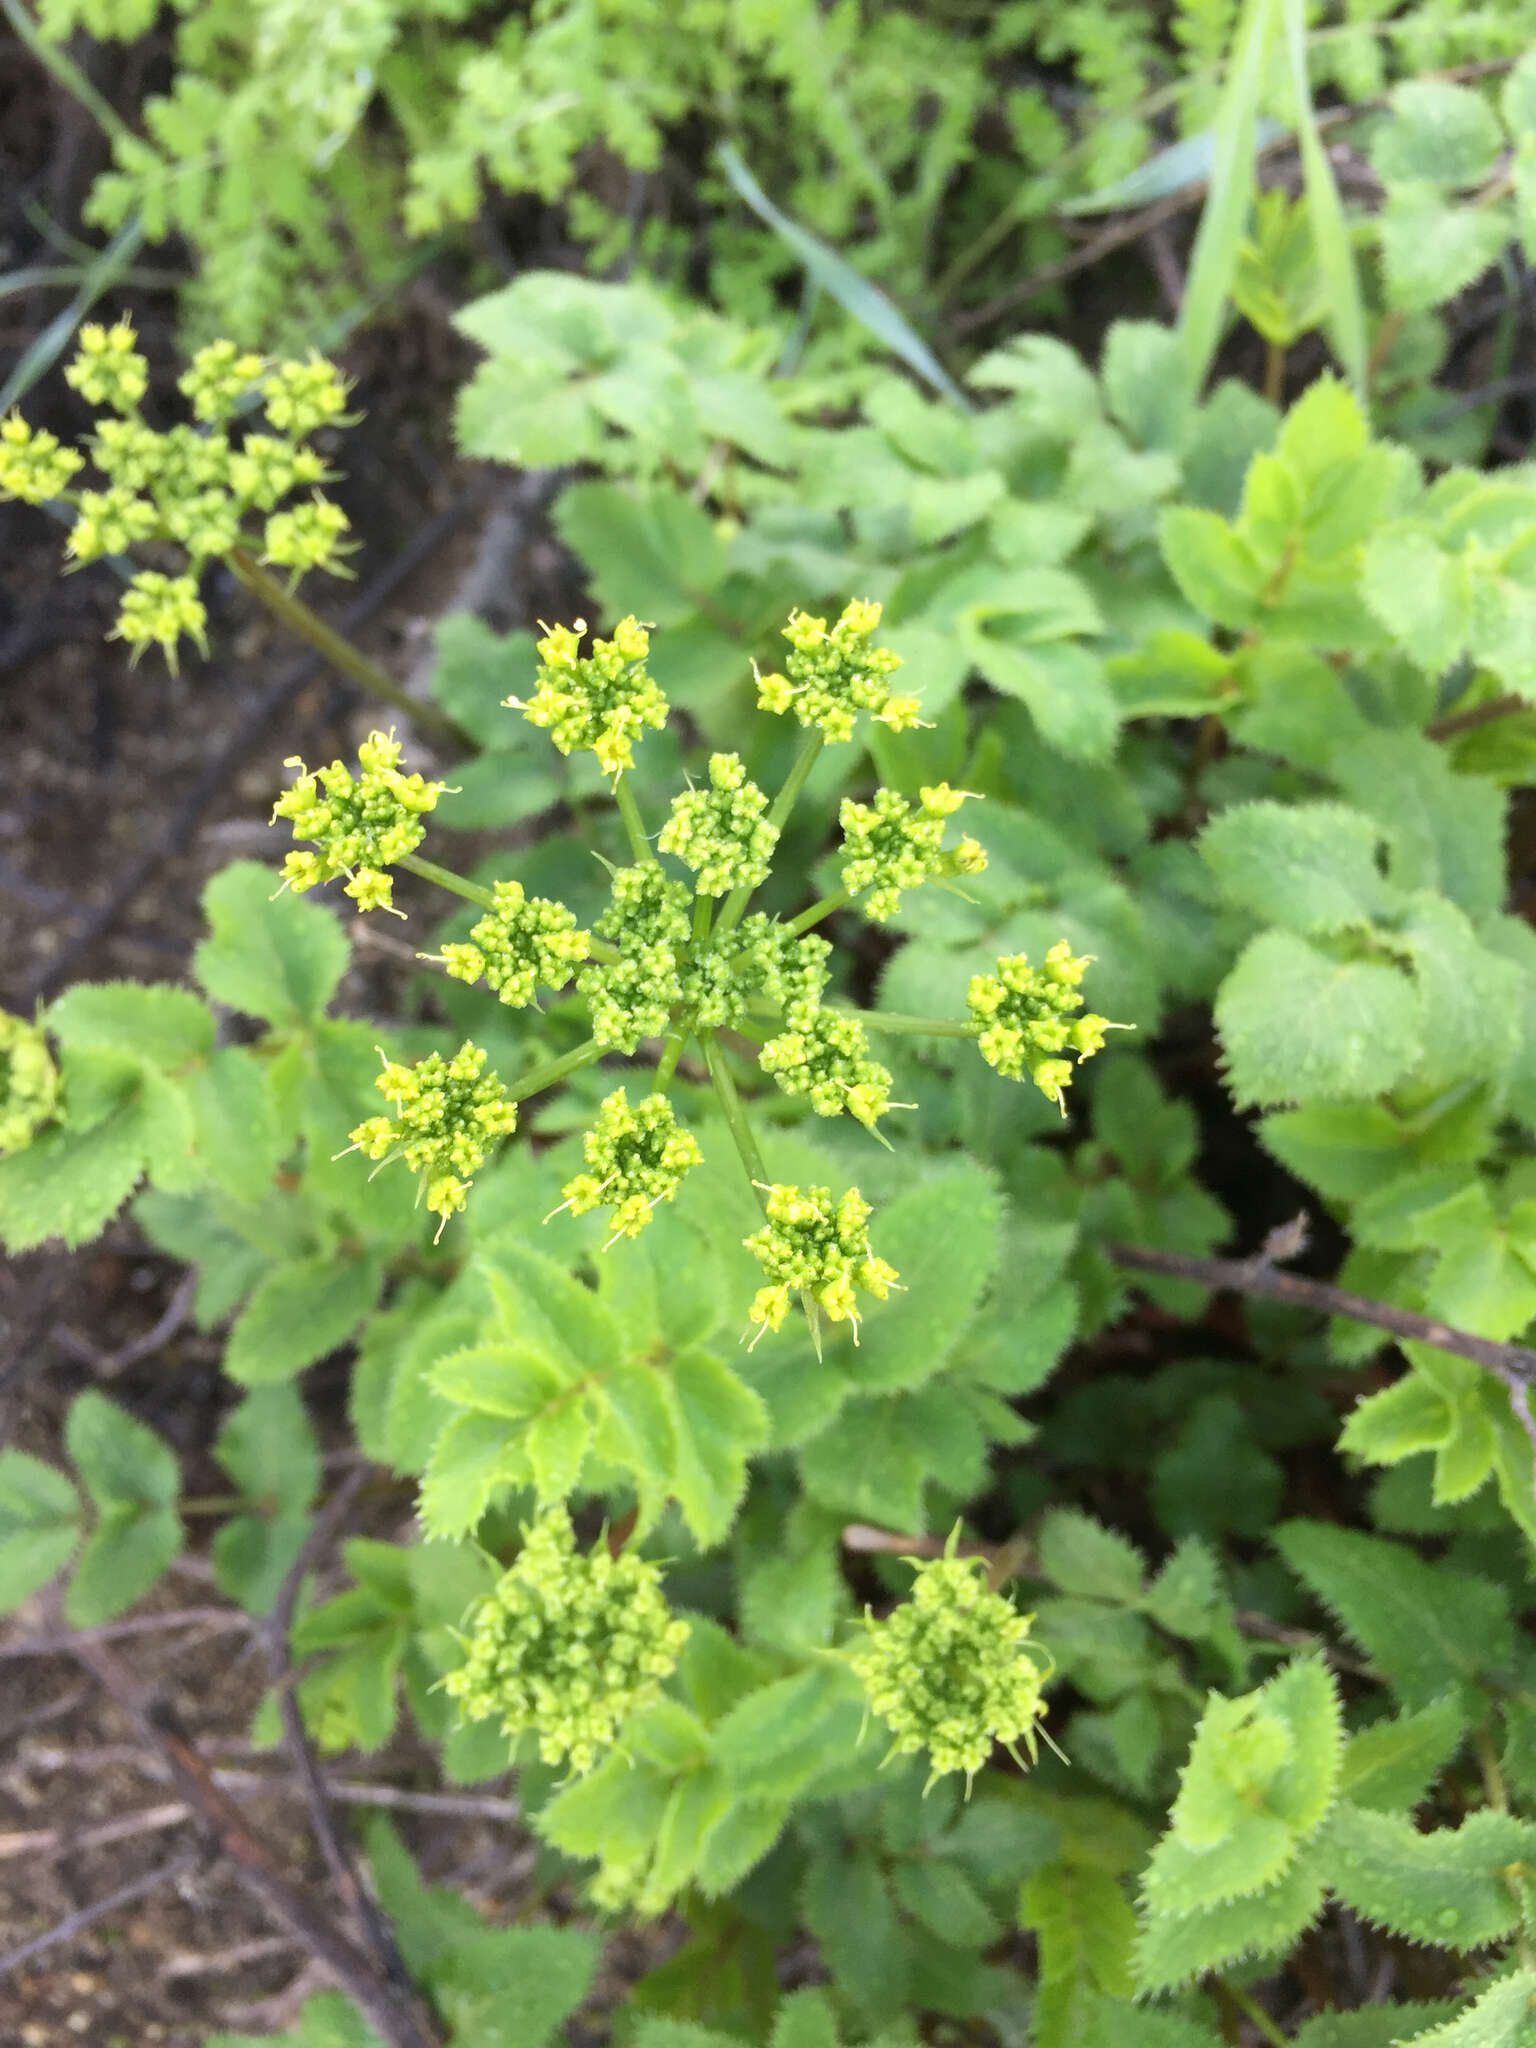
(29, 1082)
(831, 676)
(524, 943)
(361, 823)
(952, 1671)
(635, 1159)
(569, 1644)
(722, 832)
(823, 1055)
(809, 1246)
(891, 845)
(448, 1115)
(600, 702)
(1026, 1022)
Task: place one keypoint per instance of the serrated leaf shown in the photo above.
(1447, 1887)
(1373, 2026)
(656, 555)
(849, 1910)
(1086, 1932)
(1343, 1150)
(297, 1314)
(1446, 830)
(165, 1027)
(1296, 1024)
(512, 1987)
(1419, 593)
(1399, 1422)
(1443, 133)
(119, 1460)
(1392, 1764)
(269, 953)
(130, 1547)
(942, 1238)
(1433, 248)
(941, 1898)
(514, 1380)
(68, 1184)
(1079, 1555)
(776, 1740)
(267, 1446)
(39, 1525)
(239, 1143)
(1174, 1950)
(1186, 1593)
(1420, 1624)
(328, 2020)
(719, 1422)
(475, 1458)
(1216, 569)
(1307, 867)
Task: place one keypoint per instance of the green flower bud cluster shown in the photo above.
(823, 1055)
(193, 486)
(951, 1670)
(29, 1082)
(721, 832)
(108, 370)
(808, 1246)
(635, 1159)
(360, 824)
(891, 845)
(33, 465)
(830, 677)
(649, 918)
(761, 958)
(601, 701)
(524, 942)
(448, 1114)
(1025, 1015)
(156, 610)
(569, 1644)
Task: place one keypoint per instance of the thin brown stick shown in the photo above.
(1514, 1365)
(135, 1625)
(258, 1866)
(1480, 714)
(101, 1909)
(66, 1841)
(232, 1778)
(359, 1902)
(108, 1364)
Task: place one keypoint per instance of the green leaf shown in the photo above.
(656, 555)
(475, 1458)
(1445, 134)
(239, 1143)
(1086, 1933)
(267, 1447)
(1173, 1950)
(39, 1525)
(942, 1238)
(515, 1381)
(1296, 1024)
(130, 1547)
(1373, 2026)
(299, 1313)
(269, 953)
(1393, 1764)
(1420, 1624)
(1079, 1555)
(1433, 248)
(165, 1027)
(476, 670)
(1500, 2018)
(776, 1740)
(941, 1898)
(850, 1912)
(1061, 684)
(1214, 567)
(120, 1461)
(719, 1422)
(805, 2019)
(69, 1184)
(541, 1303)
(512, 1987)
(1447, 1887)
(1307, 867)
(1142, 383)
(1344, 1151)
(328, 2020)
(1446, 831)
(1419, 593)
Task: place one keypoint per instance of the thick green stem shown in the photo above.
(735, 1114)
(811, 744)
(817, 911)
(672, 1051)
(896, 1025)
(634, 824)
(341, 654)
(540, 1078)
(445, 878)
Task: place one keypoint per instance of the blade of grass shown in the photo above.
(853, 292)
(45, 349)
(1183, 163)
(1222, 224)
(1345, 324)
